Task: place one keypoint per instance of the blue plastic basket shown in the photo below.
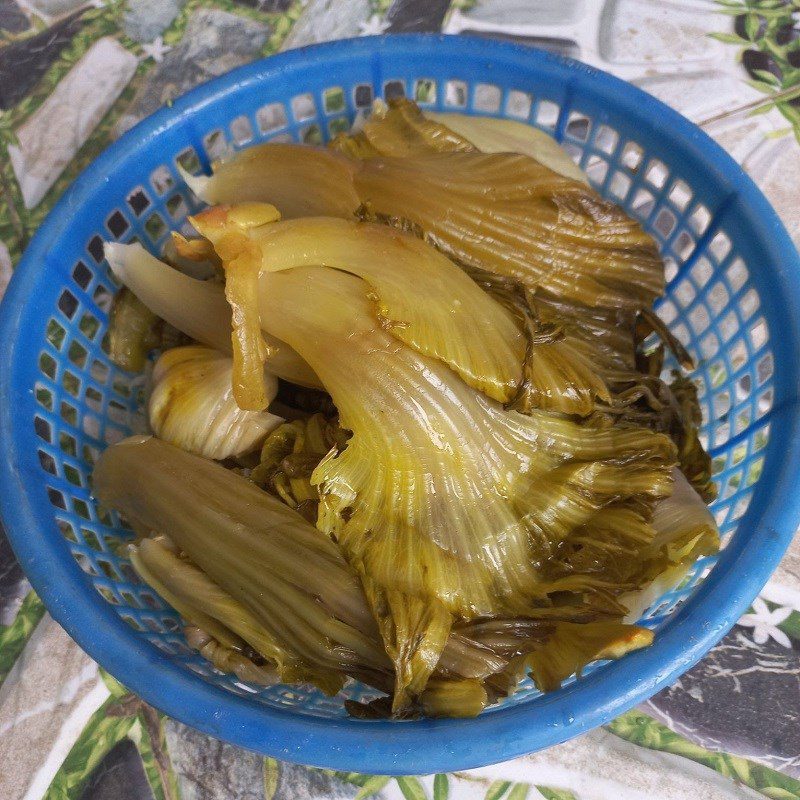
(733, 282)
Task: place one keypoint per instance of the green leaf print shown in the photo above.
(497, 790)
(555, 794)
(101, 734)
(272, 775)
(441, 787)
(14, 637)
(152, 747)
(519, 791)
(640, 729)
(372, 786)
(113, 685)
(411, 788)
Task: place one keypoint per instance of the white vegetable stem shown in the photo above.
(197, 308)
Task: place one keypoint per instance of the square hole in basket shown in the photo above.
(155, 226)
(161, 179)
(56, 498)
(117, 224)
(487, 98)
(665, 222)
(82, 275)
(717, 297)
(518, 104)
(759, 333)
(699, 219)
(177, 206)
(657, 173)
(765, 401)
(717, 373)
(68, 304)
(455, 94)
(362, 96)
(743, 419)
(99, 371)
(337, 126)
(737, 354)
(620, 185)
(425, 91)
(303, 107)
(702, 271)
(699, 319)
(271, 117)
(68, 444)
(643, 203)
(77, 354)
(680, 194)
(94, 399)
(71, 383)
(606, 139)
(737, 274)
(667, 311)
(394, 89)
(47, 462)
(69, 413)
(189, 160)
(95, 248)
(743, 387)
(333, 100)
(765, 368)
(683, 245)
(729, 325)
(73, 475)
(43, 429)
(117, 412)
(596, 169)
(709, 345)
(720, 245)
(47, 365)
(547, 114)
(44, 396)
(103, 298)
(91, 426)
(578, 126)
(632, 155)
(215, 144)
(55, 333)
(311, 135)
(749, 303)
(137, 201)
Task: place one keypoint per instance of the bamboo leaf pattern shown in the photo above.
(145, 748)
(555, 794)
(497, 790)
(644, 731)
(411, 788)
(14, 637)
(100, 735)
(766, 43)
(272, 776)
(113, 685)
(441, 787)
(372, 786)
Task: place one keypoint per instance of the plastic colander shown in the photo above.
(733, 284)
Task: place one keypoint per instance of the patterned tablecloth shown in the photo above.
(74, 76)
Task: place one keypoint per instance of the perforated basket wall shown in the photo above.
(722, 302)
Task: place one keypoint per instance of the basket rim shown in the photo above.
(423, 746)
